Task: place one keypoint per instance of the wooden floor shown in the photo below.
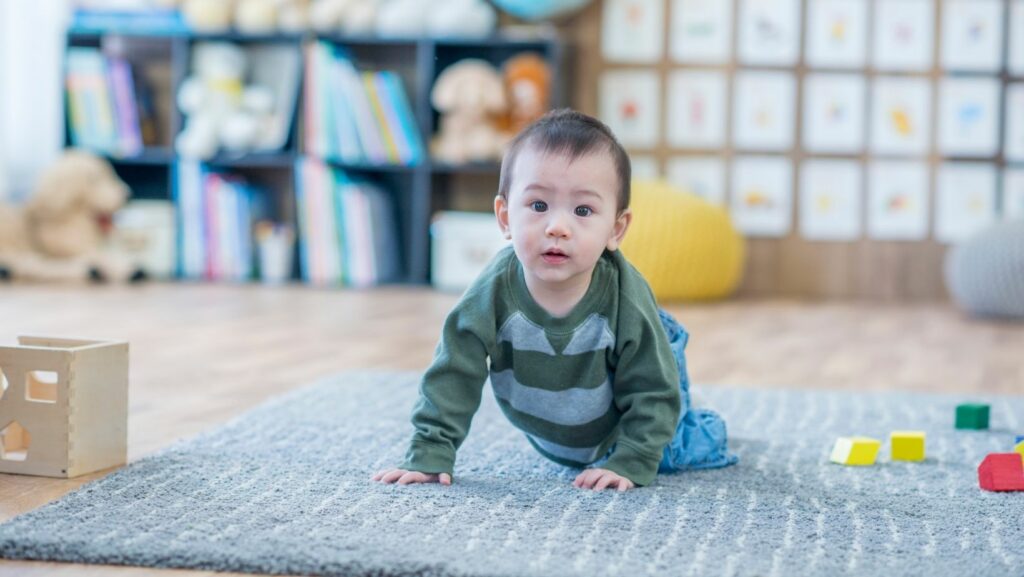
(201, 354)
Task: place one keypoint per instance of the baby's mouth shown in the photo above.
(554, 256)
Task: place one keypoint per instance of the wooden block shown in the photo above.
(855, 451)
(907, 445)
(1018, 439)
(1019, 448)
(972, 416)
(1002, 472)
(65, 411)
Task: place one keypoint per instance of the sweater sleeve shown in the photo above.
(451, 388)
(646, 390)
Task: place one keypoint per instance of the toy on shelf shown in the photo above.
(1019, 447)
(60, 233)
(223, 111)
(855, 451)
(972, 416)
(441, 18)
(528, 89)
(63, 406)
(470, 95)
(907, 445)
(247, 16)
(535, 10)
(1002, 472)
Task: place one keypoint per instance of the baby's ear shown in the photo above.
(619, 230)
(501, 213)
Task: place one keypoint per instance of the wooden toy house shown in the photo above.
(63, 406)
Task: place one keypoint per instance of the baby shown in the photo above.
(579, 356)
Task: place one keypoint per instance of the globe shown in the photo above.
(539, 9)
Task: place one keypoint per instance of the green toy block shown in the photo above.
(972, 416)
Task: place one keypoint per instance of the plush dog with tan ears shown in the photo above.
(59, 233)
(470, 95)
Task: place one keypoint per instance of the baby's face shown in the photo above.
(562, 215)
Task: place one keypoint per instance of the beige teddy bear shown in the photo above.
(470, 95)
(59, 233)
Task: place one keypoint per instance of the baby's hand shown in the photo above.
(598, 479)
(406, 477)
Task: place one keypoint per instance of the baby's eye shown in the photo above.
(539, 205)
(584, 211)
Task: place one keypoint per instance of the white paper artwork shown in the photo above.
(701, 175)
(1016, 55)
(763, 116)
(966, 199)
(762, 195)
(972, 35)
(903, 35)
(696, 109)
(833, 120)
(897, 200)
(644, 167)
(769, 32)
(837, 33)
(629, 103)
(901, 115)
(969, 116)
(632, 30)
(701, 31)
(1013, 194)
(830, 200)
(1013, 148)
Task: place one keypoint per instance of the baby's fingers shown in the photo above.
(446, 479)
(389, 476)
(604, 481)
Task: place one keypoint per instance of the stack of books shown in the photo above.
(357, 117)
(215, 224)
(104, 113)
(347, 228)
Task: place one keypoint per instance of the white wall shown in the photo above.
(31, 118)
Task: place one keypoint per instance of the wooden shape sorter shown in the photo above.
(63, 406)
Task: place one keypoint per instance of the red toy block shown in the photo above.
(1002, 472)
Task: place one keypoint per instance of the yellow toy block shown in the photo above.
(907, 445)
(855, 451)
(1019, 448)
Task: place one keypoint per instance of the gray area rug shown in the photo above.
(286, 489)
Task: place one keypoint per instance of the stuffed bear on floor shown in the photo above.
(59, 233)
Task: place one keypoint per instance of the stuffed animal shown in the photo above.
(470, 96)
(442, 18)
(60, 231)
(220, 109)
(247, 16)
(528, 87)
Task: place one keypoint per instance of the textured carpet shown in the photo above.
(285, 489)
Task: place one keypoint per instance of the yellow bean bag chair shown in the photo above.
(685, 247)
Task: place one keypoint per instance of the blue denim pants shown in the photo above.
(700, 441)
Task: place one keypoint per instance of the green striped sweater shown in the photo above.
(577, 385)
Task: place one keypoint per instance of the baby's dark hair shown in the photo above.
(574, 134)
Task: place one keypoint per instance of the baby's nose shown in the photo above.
(558, 226)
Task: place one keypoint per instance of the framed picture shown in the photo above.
(629, 103)
(837, 32)
(1013, 148)
(966, 199)
(833, 119)
(632, 30)
(701, 31)
(763, 116)
(696, 109)
(904, 35)
(969, 116)
(901, 112)
(972, 35)
(1016, 47)
(897, 200)
(762, 195)
(769, 32)
(1013, 194)
(644, 167)
(701, 175)
(830, 200)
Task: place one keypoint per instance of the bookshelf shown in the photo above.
(417, 190)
